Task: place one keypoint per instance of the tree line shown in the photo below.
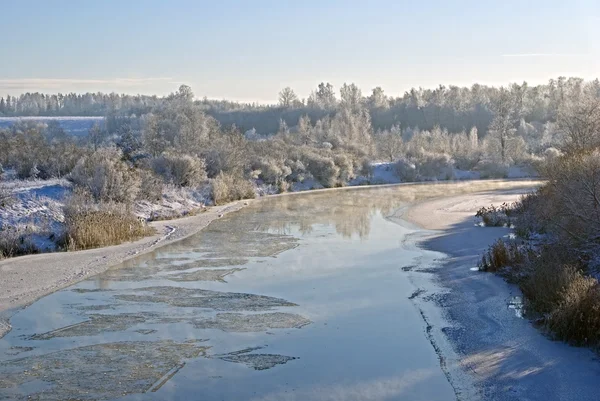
(451, 107)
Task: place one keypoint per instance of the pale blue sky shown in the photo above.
(249, 50)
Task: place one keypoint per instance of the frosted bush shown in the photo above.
(6, 198)
(322, 168)
(491, 169)
(180, 170)
(366, 168)
(106, 176)
(272, 171)
(405, 170)
(151, 186)
(552, 153)
(231, 187)
(15, 240)
(346, 168)
(435, 166)
(298, 170)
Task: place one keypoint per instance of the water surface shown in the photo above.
(303, 297)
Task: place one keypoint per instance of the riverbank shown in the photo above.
(27, 278)
(506, 357)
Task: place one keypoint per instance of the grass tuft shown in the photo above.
(92, 225)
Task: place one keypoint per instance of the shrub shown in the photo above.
(346, 167)
(572, 195)
(272, 171)
(425, 166)
(181, 170)
(496, 216)
(6, 197)
(490, 169)
(298, 170)
(405, 170)
(504, 254)
(545, 287)
(14, 241)
(552, 153)
(231, 187)
(151, 186)
(227, 153)
(34, 155)
(577, 318)
(92, 225)
(322, 168)
(529, 214)
(437, 166)
(106, 176)
(366, 168)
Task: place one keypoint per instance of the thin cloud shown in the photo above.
(56, 83)
(542, 55)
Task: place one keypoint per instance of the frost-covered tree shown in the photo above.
(351, 97)
(502, 127)
(96, 136)
(305, 130)
(287, 97)
(378, 99)
(184, 93)
(579, 121)
(324, 97)
(152, 138)
(389, 143)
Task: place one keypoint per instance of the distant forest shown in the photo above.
(452, 108)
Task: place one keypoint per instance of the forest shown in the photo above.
(454, 108)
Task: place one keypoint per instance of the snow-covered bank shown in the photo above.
(36, 211)
(506, 356)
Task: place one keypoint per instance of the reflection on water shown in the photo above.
(303, 294)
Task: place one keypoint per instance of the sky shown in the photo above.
(249, 50)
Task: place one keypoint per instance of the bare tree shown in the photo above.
(573, 201)
(287, 97)
(324, 97)
(390, 144)
(152, 138)
(502, 126)
(96, 136)
(579, 122)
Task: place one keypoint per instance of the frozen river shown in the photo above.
(302, 297)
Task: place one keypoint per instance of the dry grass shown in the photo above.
(577, 318)
(555, 289)
(231, 187)
(545, 287)
(92, 225)
(503, 254)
